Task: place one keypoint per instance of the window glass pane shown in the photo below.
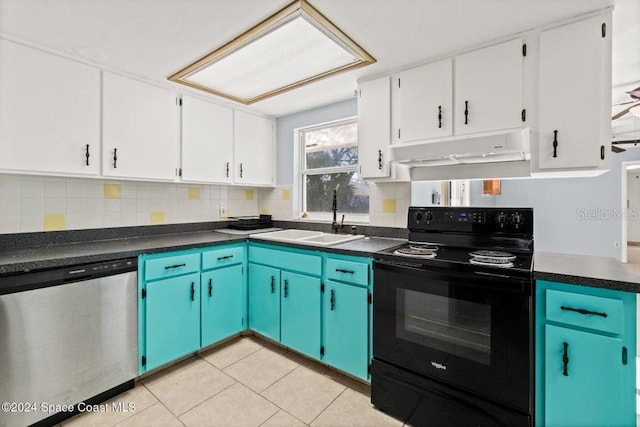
(352, 192)
(331, 146)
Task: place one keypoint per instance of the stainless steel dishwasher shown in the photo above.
(67, 336)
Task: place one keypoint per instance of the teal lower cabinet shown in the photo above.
(172, 319)
(346, 328)
(188, 300)
(221, 304)
(585, 356)
(264, 300)
(300, 313)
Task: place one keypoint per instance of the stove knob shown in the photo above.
(517, 219)
(428, 216)
(501, 219)
(418, 216)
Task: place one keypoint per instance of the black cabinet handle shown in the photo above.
(227, 169)
(439, 116)
(86, 155)
(340, 270)
(555, 143)
(380, 159)
(169, 267)
(220, 258)
(210, 287)
(240, 170)
(602, 152)
(582, 311)
(466, 112)
(273, 284)
(286, 288)
(193, 292)
(332, 299)
(115, 158)
(565, 359)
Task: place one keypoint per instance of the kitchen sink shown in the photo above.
(307, 237)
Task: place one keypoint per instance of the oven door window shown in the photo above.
(454, 326)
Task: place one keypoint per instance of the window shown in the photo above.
(329, 161)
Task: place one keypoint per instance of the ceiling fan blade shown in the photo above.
(635, 93)
(617, 149)
(625, 111)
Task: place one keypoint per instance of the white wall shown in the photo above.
(633, 197)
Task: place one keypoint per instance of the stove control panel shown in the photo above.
(468, 219)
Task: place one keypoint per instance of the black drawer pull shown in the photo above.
(193, 292)
(210, 287)
(380, 159)
(332, 299)
(86, 155)
(169, 267)
(565, 359)
(582, 311)
(286, 288)
(115, 158)
(220, 258)
(555, 143)
(340, 270)
(227, 169)
(466, 112)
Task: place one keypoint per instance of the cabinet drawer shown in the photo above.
(348, 271)
(221, 257)
(171, 266)
(296, 261)
(588, 311)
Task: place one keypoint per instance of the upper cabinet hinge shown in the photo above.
(524, 115)
(524, 49)
(603, 29)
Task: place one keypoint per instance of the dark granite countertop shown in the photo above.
(28, 259)
(593, 271)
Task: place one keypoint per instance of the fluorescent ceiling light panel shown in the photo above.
(292, 48)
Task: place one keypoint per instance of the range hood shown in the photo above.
(501, 154)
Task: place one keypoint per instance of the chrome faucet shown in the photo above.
(334, 208)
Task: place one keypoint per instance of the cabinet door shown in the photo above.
(173, 319)
(575, 95)
(253, 149)
(590, 394)
(264, 300)
(345, 328)
(488, 89)
(140, 129)
(300, 313)
(207, 141)
(221, 304)
(424, 98)
(49, 113)
(374, 127)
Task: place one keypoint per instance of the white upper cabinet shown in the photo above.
(575, 95)
(488, 88)
(141, 132)
(253, 149)
(49, 113)
(207, 141)
(423, 102)
(374, 127)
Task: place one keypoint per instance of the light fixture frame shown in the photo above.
(299, 8)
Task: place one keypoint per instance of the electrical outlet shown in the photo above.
(222, 211)
(616, 244)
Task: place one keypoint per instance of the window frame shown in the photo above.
(301, 174)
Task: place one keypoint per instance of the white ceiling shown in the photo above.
(155, 38)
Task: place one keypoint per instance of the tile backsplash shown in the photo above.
(41, 203)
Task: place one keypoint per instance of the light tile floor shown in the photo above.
(245, 382)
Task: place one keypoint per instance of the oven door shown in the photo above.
(470, 330)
